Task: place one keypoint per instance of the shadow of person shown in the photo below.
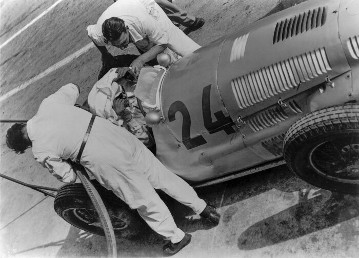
(324, 210)
(231, 193)
(313, 212)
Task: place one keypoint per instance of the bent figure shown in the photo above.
(112, 155)
(143, 23)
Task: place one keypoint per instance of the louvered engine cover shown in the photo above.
(227, 106)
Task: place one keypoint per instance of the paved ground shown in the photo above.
(270, 214)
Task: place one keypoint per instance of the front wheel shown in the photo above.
(73, 204)
(322, 148)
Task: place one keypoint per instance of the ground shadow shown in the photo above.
(325, 210)
(83, 244)
(312, 213)
(149, 244)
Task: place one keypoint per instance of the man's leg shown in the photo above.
(176, 14)
(156, 214)
(180, 17)
(162, 178)
(133, 188)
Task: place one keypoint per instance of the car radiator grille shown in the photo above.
(280, 77)
(353, 46)
(299, 24)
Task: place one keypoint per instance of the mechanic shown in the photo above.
(143, 23)
(112, 97)
(111, 155)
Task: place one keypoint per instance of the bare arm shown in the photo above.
(138, 63)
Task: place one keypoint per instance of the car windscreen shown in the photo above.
(148, 84)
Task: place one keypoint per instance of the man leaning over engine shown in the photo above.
(112, 155)
(143, 23)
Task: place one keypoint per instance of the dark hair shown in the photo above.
(15, 139)
(112, 28)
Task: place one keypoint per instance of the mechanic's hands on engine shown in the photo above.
(126, 72)
(136, 66)
(121, 71)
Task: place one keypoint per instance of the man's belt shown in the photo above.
(83, 144)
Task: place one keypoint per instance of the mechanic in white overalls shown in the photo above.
(112, 155)
(143, 23)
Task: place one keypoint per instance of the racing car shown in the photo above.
(283, 90)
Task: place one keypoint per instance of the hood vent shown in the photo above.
(267, 82)
(299, 24)
(274, 145)
(272, 116)
(353, 46)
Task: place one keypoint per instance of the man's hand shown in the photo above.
(121, 71)
(137, 65)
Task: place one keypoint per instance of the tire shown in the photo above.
(73, 204)
(322, 148)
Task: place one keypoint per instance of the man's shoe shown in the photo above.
(171, 248)
(211, 214)
(198, 23)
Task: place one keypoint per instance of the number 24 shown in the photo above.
(222, 123)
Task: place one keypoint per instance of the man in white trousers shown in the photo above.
(143, 23)
(112, 155)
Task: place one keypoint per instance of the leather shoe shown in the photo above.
(211, 214)
(171, 248)
(198, 23)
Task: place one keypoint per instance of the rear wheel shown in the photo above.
(74, 205)
(323, 148)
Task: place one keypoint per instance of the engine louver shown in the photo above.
(353, 46)
(274, 145)
(271, 116)
(269, 81)
(299, 24)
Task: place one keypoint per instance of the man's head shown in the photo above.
(115, 32)
(17, 138)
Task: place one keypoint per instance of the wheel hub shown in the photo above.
(337, 160)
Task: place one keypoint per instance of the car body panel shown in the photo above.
(226, 107)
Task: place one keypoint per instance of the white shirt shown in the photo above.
(144, 18)
(57, 136)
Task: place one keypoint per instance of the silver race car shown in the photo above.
(283, 90)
